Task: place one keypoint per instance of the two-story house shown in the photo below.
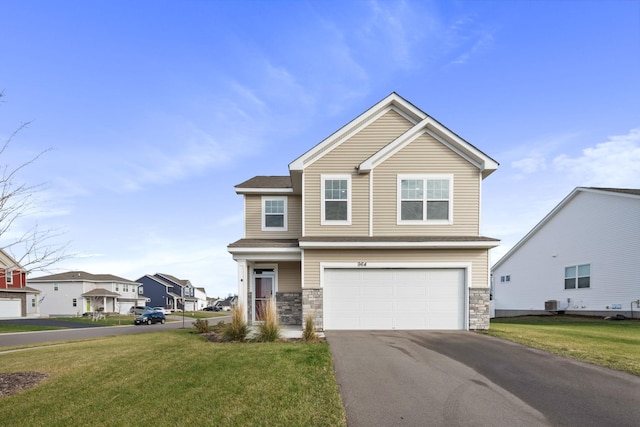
(76, 292)
(16, 298)
(376, 227)
(165, 290)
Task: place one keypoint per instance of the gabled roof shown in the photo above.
(100, 293)
(173, 279)
(422, 123)
(7, 261)
(619, 192)
(157, 280)
(81, 276)
(265, 184)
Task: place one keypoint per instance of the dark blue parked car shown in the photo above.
(150, 317)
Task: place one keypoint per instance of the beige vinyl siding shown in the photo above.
(343, 160)
(289, 278)
(253, 218)
(477, 257)
(426, 155)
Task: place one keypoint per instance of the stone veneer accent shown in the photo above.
(312, 305)
(289, 306)
(478, 308)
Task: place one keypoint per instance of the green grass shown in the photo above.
(121, 319)
(129, 380)
(200, 314)
(612, 344)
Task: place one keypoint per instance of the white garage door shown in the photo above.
(394, 299)
(10, 307)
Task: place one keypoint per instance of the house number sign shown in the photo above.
(362, 264)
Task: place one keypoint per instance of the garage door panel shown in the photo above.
(394, 299)
(10, 307)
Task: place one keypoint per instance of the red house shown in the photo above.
(16, 298)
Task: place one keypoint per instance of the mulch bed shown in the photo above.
(216, 337)
(15, 382)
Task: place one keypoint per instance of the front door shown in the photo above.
(264, 284)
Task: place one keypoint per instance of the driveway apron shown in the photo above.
(434, 378)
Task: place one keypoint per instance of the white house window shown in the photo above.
(9, 274)
(577, 276)
(504, 279)
(274, 213)
(75, 302)
(336, 200)
(140, 290)
(125, 288)
(425, 199)
(55, 286)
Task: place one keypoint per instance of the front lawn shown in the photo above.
(612, 344)
(175, 378)
(6, 328)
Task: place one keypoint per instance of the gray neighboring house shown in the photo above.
(582, 258)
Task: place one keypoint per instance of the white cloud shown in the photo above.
(534, 163)
(613, 163)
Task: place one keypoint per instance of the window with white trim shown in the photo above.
(577, 276)
(274, 213)
(336, 200)
(425, 199)
(9, 274)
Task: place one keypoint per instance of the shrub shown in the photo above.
(236, 330)
(202, 326)
(309, 333)
(269, 329)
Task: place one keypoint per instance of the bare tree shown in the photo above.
(35, 249)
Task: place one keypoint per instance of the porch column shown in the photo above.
(242, 287)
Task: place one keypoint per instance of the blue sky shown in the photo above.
(154, 110)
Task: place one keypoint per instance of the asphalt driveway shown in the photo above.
(433, 378)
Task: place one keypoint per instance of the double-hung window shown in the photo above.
(577, 276)
(336, 200)
(274, 213)
(9, 275)
(425, 199)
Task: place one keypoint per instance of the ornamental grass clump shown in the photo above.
(309, 334)
(269, 329)
(202, 326)
(238, 329)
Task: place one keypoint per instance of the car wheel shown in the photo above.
(149, 322)
(162, 321)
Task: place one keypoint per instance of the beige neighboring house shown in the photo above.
(376, 227)
(76, 292)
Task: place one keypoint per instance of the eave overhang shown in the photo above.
(399, 244)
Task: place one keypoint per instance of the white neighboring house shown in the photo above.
(76, 292)
(200, 294)
(582, 258)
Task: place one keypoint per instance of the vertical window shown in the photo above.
(274, 213)
(577, 276)
(125, 288)
(424, 199)
(336, 199)
(9, 274)
(33, 302)
(117, 287)
(75, 302)
(140, 290)
(55, 286)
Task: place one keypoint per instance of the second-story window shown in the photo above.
(425, 199)
(9, 274)
(336, 200)
(274, 213)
